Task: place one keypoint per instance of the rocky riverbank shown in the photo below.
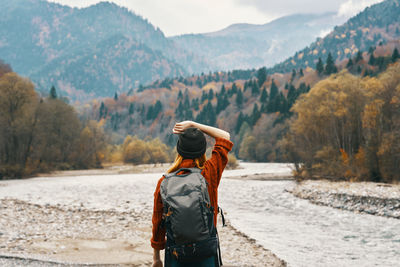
(364, 197)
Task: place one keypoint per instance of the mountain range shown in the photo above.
(247, 46)
(90, 51)
(104, 48)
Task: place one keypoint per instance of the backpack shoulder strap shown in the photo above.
(188, 170)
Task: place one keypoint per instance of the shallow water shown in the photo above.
(304, 234)
(301, 233)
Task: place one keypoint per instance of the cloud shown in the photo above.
(351, 7)
(286, 7)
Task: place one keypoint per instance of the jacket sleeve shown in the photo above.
(219, 158)
(158, 237)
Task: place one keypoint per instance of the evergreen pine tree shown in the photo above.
(239, 98)
(180, 95)
(330, 65)
(359, 57)
(264, 96)
(273, 102)
(320, 67)
(223, 90)
(291, 96)
(239, 122)
(204, 96)
(217, 76)
(131, 108)
(53, 93)
(395, 55)
(179, 111)
(195, 104)
(234, 88)
(293, 74)
(246, 84)
(211, 116)
(211, 94)
(150, 113)
(301, 73)
(188, 115)
(284, 106)
(115, 96)
(226, 101)
(220, 104)
(256, 114)
(255, 89)
(102, 111)
(157, 108)
(371, 50)
(261, 76)
(349, 64)
(273, 91)
(372, 60)
(186, 102)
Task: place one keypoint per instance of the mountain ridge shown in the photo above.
(247, 46)
(35, 33)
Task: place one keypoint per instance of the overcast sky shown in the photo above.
(176, 17)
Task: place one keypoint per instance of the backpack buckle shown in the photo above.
(175, 253)
(169, 212)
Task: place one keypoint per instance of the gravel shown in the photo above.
(366, 197)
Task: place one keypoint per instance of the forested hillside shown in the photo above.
(252, 105)
(376, 25)
(71, 48)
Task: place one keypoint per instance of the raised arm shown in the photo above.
(214, 132)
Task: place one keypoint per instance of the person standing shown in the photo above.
(191, 148)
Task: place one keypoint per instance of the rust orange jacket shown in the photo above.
(212, 172)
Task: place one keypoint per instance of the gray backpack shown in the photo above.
(188, 216)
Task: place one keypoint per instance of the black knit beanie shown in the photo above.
(191, 144)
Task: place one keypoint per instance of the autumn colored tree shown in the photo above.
(328, 121)
(138, 151)
(92, 142)
(261, 144)
(42, 135)
(56, 135)
(346, 127)
(18, 102)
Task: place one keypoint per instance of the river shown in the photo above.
(304, 234)
(301, 233)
